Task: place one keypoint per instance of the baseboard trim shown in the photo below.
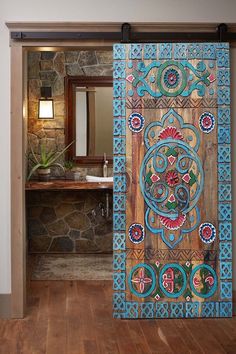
(5, 305)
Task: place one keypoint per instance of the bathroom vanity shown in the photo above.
(59, 184)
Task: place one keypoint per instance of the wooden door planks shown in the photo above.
(172, 173)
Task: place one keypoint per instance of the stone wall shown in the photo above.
(68, 222)
(50, 69)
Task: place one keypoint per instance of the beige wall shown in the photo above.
(214, 11)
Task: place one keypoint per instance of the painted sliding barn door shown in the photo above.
(172, 181)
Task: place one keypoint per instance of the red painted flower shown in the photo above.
(141, 280)
(171, 224)
(136, 122)
(170, 132)
(136, 231)
(172, 178)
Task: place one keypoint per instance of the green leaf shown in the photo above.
(43, 154)
(172, 205)
(148, 178)
(204, 289)
(193, 178)
(33, 170)
(46, 159)
(61, 153)
(32, 152)
(171, 151)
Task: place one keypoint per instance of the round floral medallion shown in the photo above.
(171, 78)
(172, 178)
(207, 232)
(136, 122)
(172, 280)
(142, 280)
(203, 281)
(136, 233)
(207, 122)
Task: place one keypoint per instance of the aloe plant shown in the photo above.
(47, 159)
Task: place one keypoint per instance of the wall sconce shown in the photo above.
(46, 110)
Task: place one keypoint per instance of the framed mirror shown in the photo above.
(89, 119)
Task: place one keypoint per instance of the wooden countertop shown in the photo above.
(62, 184)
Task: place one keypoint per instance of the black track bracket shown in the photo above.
(125, 32)
(222, 31)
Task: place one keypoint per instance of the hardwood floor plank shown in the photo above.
(57, 326)
(155, 337)
(189, 342)
(75, 317)
(206, 339)
(138, 337)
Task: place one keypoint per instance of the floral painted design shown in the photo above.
(172, 178)
(207, 232)
(207, 122)
(136, 122)
(141, 280)
(136, 233)
(171, 78)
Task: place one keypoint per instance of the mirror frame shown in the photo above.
(71, 82)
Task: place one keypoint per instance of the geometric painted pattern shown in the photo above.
(225, 309)
(226, 290)
(147, 310)
(224, 190)
(224, 172)
(225, 231)
(225, 270)
(119, 241)
(176, 309)
(132, 309)
(119, 261)
(118, 301)
(162, 310)
(192, 309)
(209, 309)
(119, 281)
(119, 202)
(119, 222)
(225, 251)
(119, 162)
(140, 270)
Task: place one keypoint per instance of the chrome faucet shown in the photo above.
(105, 171)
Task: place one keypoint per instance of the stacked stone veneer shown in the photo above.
(66, 221)
(50, 69)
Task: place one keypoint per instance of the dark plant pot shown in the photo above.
(72, 175)
(44, 174)
(69, 175)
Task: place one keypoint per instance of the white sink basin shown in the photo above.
(98, 179)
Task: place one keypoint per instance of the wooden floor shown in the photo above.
(76, 318)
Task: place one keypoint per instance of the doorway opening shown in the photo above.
(78, 215)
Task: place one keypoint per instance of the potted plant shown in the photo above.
(46, 160)
(69, 166)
